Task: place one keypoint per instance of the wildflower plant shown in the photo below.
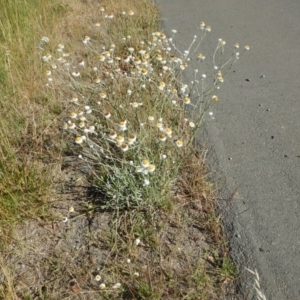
(114, 97)
(129, 115)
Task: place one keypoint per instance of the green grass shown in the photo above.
(24, 180)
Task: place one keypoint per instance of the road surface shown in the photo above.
(255, 135)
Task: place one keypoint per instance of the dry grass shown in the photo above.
(176, 250)
(181, 254)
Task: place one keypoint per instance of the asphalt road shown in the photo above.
(255, 136)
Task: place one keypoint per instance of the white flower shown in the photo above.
(103, 95)
(122, 125)
(139, 169)
(75, 74)
(146, 182)
(162, 137)
(208, 28)
(79, 139)
(120, 139)
(102, 286)
(46, 57)
(90, 129)
(97, 277)
(101, 57)
(145, 163)
(73, 115)
(137, 241)
(113, 135)
(215, 98)
(168, 132)
(183, 88)
(187, 100)
(161, 86)
(151, 168)
(144, 71)
(179, 143)
(201, 56)
(86, 39)
(124, 147)
(136, 104)
(117, 285)
(107, 115)
(131, 139)
(71, 125)
(159, 125)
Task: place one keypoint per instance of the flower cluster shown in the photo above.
(126, 105)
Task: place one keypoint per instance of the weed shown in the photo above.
(102, 90)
